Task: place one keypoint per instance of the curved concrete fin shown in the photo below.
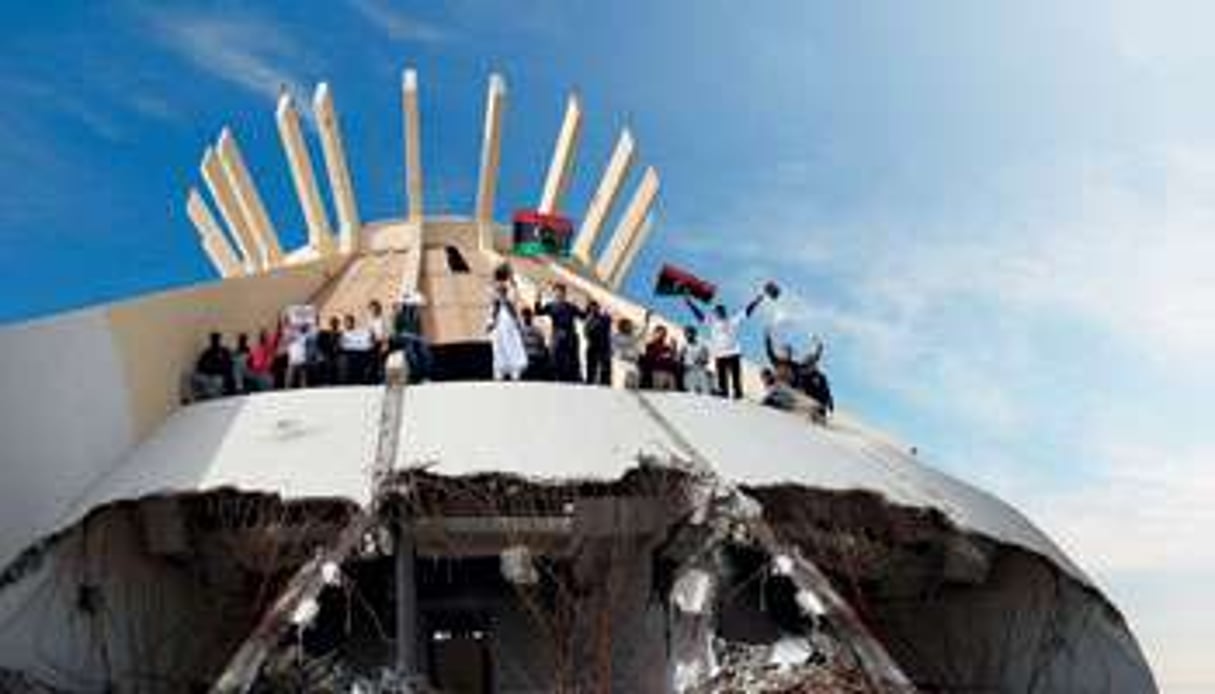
(618, 167)
(303, 175)
(491, 147)
(249, 199)
(562, 165)
(221, 192)
(211, 237)
(340, 185)
(631, 232)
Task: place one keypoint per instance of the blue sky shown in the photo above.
(999, 214)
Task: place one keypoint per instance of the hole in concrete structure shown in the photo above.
(456, 262)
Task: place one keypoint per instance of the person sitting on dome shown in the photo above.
(213, 375)
(260, 374)
(787, 368)
(813, 383)
(777, 395)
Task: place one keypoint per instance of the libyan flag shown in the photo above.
(673, 281)
(536, 233)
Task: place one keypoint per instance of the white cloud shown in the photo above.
(946, 317)
(398, 25)
(253, 54)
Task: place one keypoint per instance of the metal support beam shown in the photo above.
(630, 233)
(211, 236)
(340, 185)
(562, 165)
(413, 144)
(320, 234)
(491, 145)
(250, 200)
(407, 603)
(221, 192)
(605, 196)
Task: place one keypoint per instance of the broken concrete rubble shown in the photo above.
(665, 579)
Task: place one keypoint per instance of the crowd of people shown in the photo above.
(651, 356)
(297, 353)
(582, 344)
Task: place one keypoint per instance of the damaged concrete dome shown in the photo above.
(465, 535)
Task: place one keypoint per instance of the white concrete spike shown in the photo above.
(491, 146)
(340, 185)
(221, 192)
(320, 234)
(631, 232)
(413, 144)
(605, 196)
(250, 200)
(211, 237)
(562, 165)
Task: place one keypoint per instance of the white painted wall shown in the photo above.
(80, 389)
(65, 419)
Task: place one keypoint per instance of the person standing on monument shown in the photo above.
(694, 360)
(505, 336)
(539, 365)
(627, 345)
(562, 315)
(723, 340)
(597, 329)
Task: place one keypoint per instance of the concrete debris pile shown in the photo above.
(788, 666)
(666, 578)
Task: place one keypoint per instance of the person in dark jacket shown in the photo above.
(213, 374)
(325, 370)
(814, 384)
(407, 336)
(777, 395)
(597, 329)
(786, 367)
(563, 315)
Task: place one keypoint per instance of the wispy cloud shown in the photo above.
(45, 97)
(397, 24)
(964, 324)
(251, 53)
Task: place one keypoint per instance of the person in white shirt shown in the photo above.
(723, 342)
(356, 350)
(694, 357)
(505, 336)
(297, 356)
(377, 326)
(626, 347)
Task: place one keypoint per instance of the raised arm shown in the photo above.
(816, 353)
(700, 315)
(753, 305)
